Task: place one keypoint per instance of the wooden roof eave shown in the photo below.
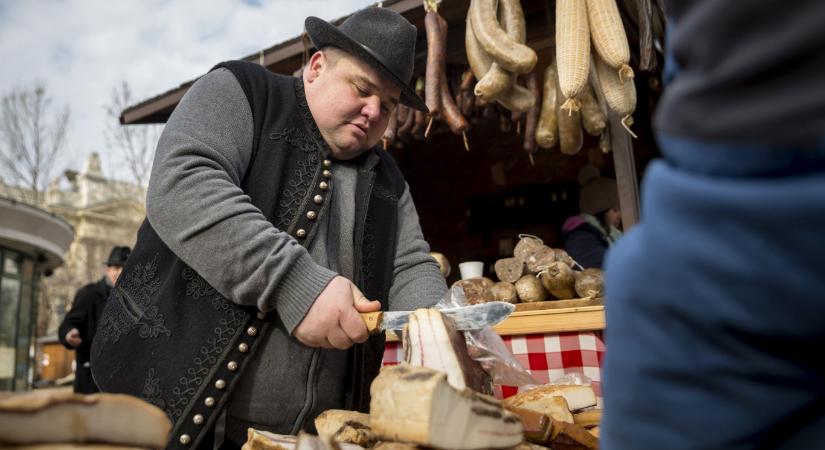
(285, 57)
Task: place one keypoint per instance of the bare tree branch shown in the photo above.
(31, 137)
(135, 144)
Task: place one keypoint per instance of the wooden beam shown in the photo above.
(626, 178)
(584, 318)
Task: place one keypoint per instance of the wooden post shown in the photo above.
(625, 164)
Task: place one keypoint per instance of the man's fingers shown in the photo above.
(353, 325)
(339, 339)
(363, 305)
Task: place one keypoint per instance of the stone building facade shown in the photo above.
(103, 212)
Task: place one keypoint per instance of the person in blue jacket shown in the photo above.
(589, 235)
(716, 318)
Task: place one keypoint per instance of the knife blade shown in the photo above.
(470, 317)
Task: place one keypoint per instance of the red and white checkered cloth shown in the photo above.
(546, 356)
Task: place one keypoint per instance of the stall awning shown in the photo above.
(285, 58)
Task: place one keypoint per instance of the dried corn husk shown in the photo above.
(572, 50)
(608, 35)
(620, 96)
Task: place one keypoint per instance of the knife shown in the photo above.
(466, 317)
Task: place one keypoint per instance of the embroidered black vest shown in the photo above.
(168, 337)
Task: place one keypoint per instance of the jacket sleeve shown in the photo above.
(76, 317)
(197, 207)
(586, 248)
(417, 281)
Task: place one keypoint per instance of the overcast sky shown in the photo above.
(82, 49)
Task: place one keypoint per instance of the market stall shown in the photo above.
(517, 173)
(490, 166)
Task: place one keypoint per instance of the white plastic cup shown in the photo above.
(471, 269)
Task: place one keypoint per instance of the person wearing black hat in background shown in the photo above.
(588, 235)
(77, 331)
(273, 219)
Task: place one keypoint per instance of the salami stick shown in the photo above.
(457, 123)
(436, 54)
(405, 120)
(532, 118)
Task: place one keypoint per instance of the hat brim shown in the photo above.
(323, 34)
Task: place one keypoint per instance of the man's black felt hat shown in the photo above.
(118, 256)
(381, 37)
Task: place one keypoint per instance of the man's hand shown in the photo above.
(333, 320)
(73, 338)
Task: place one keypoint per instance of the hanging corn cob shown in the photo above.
(619, 95)
(572, 50)
(609, 38)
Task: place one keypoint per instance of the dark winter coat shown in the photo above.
(85, 314)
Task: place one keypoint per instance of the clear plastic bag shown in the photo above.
(488, 349)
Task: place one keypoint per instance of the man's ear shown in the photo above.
(317, 63)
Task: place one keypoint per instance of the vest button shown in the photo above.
(323, 186)
(318, 199)
(197, 419)
(301, 233)
(327, 173)
(232, 366)
(327, 163)
(220, 385)
(185, 439)
(261, 315)
(243, 348)
(311, 215)
(252, 331)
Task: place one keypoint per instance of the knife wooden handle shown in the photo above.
(373, 321)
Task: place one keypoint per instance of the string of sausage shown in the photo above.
(436, 55)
